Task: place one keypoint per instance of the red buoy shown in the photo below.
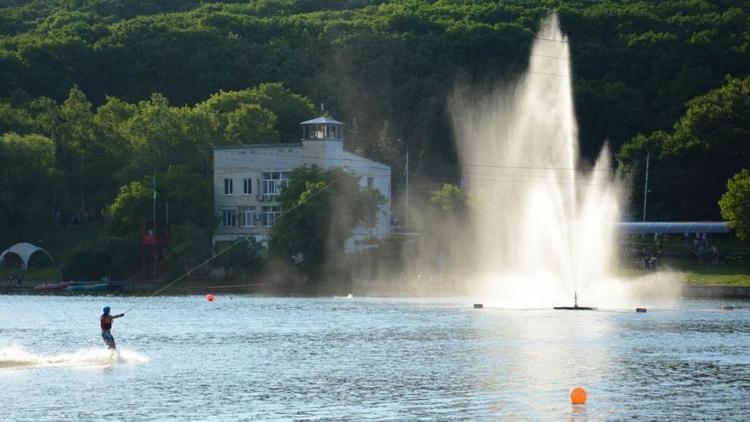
(210, 297)
(577, 395)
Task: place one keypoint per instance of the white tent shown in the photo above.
(24, 251)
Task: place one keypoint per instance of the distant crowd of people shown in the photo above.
(644, 258)
(647, 256)
(15, 279)
(701, 249)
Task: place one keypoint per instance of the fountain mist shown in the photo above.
(542, 228)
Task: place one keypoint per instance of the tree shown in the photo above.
(188, 194)
(109, 256)
(265, 114)
(77, 150)
(245, 256)
(735, 204)
(690, 165)
(251, 124)
(189, 245)
(450, 200)
(28, 186)
(160, 135)
(316, 220)
(446, 228)
(132, 206)
(290, 108)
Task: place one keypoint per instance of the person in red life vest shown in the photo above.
(105, 321)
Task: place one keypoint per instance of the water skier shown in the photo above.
(105, 321)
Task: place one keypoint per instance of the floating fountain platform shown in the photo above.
(575, 306)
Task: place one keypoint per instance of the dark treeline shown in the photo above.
(85, 81)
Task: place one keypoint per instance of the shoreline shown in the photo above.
(697, 291)
(692, 291)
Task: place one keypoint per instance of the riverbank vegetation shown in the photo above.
(105, 103)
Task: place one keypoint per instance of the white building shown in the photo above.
(248, 179)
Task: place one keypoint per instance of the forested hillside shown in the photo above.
(106, 93)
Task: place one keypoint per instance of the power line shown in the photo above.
(670, 177)
(344, 160)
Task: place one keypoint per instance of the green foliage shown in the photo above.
(27, 186)
(450, 199)
(251, 124)
(266, 114)
(690, 165)
(244, 256)
(160, 135)
(110, 83)
(109, 256)
(101, 162)
(446, 230)
(188, 194)
(735, 204)
(635, 63)
(132, 206)
(189, 245)
(315, 220)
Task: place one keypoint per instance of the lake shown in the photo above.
(256, 358)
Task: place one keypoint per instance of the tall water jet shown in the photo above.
(542, 227)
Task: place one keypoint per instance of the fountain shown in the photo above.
(542, 227)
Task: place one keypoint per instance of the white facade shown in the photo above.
(248, 178)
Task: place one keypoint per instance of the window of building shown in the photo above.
(228, 187)
(247, 217)
(273, 182)
(321, 131)
(247, 186)
(370, 183)
(229, 218)
(269, 215)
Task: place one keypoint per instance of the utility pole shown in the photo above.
(407, 186)
(153, 186)
(645, 187)
(406, 177)
(155, 246)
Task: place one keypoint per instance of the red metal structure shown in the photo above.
(154, 242)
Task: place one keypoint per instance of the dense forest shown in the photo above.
(100, 97)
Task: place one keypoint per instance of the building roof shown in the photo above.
(674, 227)
(321, 120)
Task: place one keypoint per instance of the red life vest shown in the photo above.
(105, 322)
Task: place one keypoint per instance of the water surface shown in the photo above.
(250, 358)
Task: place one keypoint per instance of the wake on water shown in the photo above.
(16, 357)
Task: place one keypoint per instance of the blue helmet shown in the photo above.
(106, 310)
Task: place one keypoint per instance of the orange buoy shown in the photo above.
(210, 297)
(577, 395)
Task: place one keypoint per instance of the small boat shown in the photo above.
(91, 286)
(52, 287)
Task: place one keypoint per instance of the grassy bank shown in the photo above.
(727, 273)
(62, 243)
(718, 274)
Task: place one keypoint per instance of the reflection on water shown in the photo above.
(249, 358)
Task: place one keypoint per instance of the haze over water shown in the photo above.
(543, 228)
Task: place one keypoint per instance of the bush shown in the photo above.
(112, 257)
(245, 256)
